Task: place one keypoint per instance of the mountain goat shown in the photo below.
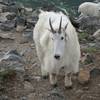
(57, 46)
(89, 9)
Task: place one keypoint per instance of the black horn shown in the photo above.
(66, 26)
(59, 31)
(51, 25)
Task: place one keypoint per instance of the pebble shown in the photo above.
(84, 76)
(28, 86)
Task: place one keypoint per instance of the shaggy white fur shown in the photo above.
(68, 48)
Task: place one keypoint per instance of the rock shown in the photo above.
(37, 78)
(84, 76)
(25, 51)
(79, 92)
(27, 78)
(95, 72)
(11, 55)
(20, 28)
(1, 6)
(86, 88)
(97, 45)
(13, 61)
(20, 24)
(97, 34)
(20, 20)
(28, 86)
(83, 57)
(32, 46)
(86, 58)
(28, 11)
(3, 16)
(28, 34)
(11, 16)
(31, 21)
(7, 25)
(12, 8)
(7, 16)
(8, 35)
(31, 96)
(56, 93)
(89, 24)
(4, 97)
(23, 40)
(7, 2)
(23, 98)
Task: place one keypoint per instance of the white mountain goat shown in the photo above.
(57, 46)
(89, 9)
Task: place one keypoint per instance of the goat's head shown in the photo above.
(58, 38)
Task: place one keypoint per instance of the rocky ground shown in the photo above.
(20, 76)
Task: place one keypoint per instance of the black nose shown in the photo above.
(57, 57)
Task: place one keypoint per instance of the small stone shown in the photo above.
(20, 28)
(79, 92)
(21, 21)
(28, 86)
(11, 55)
(85, 88)
(11, 16)
(23, 40)
(29, 9)
(84, 76)
(56, 92)
(96, 35)
(95, 72)
(36, 78)
(4, 97)
(8, 36)
(23, 98)
(31, 96)
(28, 34)
(7, 25)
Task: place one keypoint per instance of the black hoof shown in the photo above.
(68, 87)
(54, 85)
(45, 77)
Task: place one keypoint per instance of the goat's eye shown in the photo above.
(62, 38)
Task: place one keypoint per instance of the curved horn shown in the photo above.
(51, 25)
(59, 31)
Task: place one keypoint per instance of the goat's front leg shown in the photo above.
(53, 79)
(68, 81)
(44, 72)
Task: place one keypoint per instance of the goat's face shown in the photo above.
(58, 38)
